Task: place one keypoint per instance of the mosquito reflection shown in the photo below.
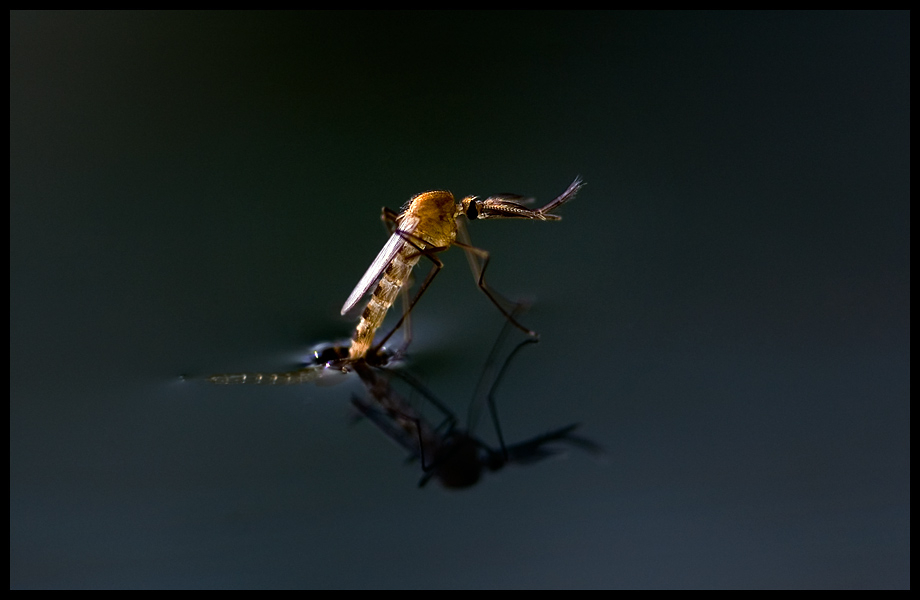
(428, 224)
(447, 452)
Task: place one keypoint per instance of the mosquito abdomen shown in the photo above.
(394, 278)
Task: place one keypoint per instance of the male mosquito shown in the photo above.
(428, 224)
(453, 456)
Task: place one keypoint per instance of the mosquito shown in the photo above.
(453, 456)
(430, 223)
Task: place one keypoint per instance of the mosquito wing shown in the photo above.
(512, 198)
(373, 273)
(535, 449)
(407, 224)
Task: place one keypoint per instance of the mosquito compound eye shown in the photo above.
(471, 211)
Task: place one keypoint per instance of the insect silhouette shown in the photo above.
(430, 223)
(448, 453)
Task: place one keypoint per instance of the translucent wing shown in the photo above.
(512, 198)
(373, 273)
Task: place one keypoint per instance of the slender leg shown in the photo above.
(488, 370)
(479, 262)
(493, 410)
(438, 265)
(425, 478)
(486, 375)
(388, 419)
(493, 295)
(431, 275)
(389, 218)
(392, 408)
(406, 319)
(450, 419)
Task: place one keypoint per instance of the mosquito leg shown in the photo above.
(430, 253)
(489, 368)
(407, 319)
(417, 422)
(450, 419)
(389, 219)
(394, 423)
(480, 273)
(394, 408)
(431, 275)
(493, 409)
(479, 262)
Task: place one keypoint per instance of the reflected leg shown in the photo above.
(479, 262)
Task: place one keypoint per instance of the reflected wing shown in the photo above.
(534, 449)
(374, 271)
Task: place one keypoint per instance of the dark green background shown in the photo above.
(725, 307)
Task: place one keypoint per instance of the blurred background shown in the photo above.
(725, 307)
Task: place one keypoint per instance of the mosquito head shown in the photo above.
(496, 207)
(469, 208)
(511, 206)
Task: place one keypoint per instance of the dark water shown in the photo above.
(725, 307)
